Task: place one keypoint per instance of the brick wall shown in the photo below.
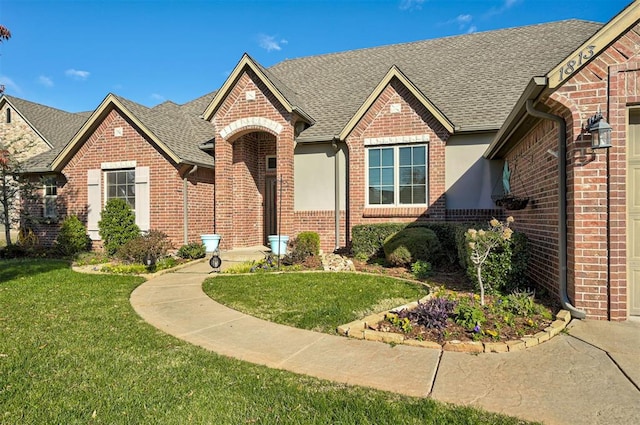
(240, 167)
(596, 190)
(379, 121)
(165, 182)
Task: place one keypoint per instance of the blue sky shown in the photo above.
(70, 54)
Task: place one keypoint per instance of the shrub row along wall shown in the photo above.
(506, 272)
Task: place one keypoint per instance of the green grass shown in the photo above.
(73, 351)
(316, 301)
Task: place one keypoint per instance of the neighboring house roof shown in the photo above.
(175, 132)
(473, 79)
(55, 126)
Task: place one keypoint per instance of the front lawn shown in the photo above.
(316, 301)
(73, 351)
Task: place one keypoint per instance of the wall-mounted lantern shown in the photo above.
(600, 131)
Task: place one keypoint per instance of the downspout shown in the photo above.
(185, 203)
(562, 219)
(336, 149)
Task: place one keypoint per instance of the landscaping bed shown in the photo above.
(511, 318)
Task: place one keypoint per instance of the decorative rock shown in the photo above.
(516, 345)
(424, 344)
(530, 341)
(388, 337)
(564, 315)
(495, 347)
(542, 337)
(463, 347)
(556, 327)
(337, 263)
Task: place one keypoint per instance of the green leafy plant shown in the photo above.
(192, 251)
(403, 323)
(482, 242)
(72, 238)
(412, 244)
(470, 315)
(117, 225)
(422, 269)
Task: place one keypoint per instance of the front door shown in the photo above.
(270, 208)
(633, 211)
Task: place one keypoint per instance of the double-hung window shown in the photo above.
(397, 175)
(121, 184)
(50, 195)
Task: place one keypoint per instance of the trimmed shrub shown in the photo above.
(72, 238)
(192, 251)
(145, 249)
(412, 244)
(367, 239)
(304, 246)
(117, 225)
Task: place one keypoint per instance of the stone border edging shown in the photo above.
(359, 329)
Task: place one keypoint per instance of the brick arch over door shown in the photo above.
(247, 205)
(248, 125)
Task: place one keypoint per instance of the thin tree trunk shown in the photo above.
(478, 271)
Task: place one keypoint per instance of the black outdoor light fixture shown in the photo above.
(600, 131)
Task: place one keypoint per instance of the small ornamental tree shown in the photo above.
(117, 225)
(16, 190)
(482, 242)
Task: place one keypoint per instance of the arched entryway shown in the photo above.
(254, 187)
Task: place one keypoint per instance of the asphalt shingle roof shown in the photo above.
(182, 132)
(55, 125)
(474, 79)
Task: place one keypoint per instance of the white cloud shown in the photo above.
(77, 74)
(9, 85)
(45, 81)
(269, 42)
(506, 5)
(157, 97)
(462, 21)
(411, 4)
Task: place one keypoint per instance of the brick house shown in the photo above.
(29, 129)
(598, 198)
(416, 131)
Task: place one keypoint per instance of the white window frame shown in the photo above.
(106, 172)
(266, 162)
(396, 175)
(49, 206)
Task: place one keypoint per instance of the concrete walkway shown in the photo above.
(589, 376)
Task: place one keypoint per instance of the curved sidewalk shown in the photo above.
(589, 378)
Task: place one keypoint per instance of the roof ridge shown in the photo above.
(42, 105)
(416, 42)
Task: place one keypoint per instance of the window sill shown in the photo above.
(391, 212)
